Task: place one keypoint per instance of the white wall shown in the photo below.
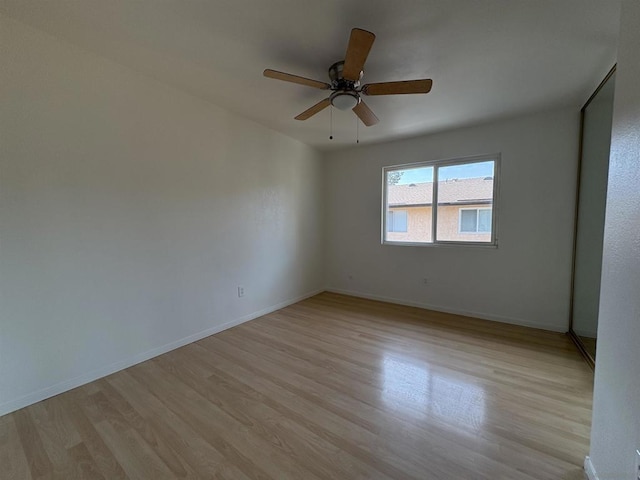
(526, 280)
(129, 214)
(615, 431)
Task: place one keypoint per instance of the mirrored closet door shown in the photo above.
(595, 140)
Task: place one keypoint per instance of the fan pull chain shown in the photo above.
(357, 130)
(331, 123)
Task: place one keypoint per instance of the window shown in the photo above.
(475, 220)
(441, 202)
(397, 221)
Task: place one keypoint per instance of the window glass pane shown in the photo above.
(468, 220)
(400, 221)
(409, 193)
(484, 221)
(465, 191)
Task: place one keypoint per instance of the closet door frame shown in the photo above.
(576, 339)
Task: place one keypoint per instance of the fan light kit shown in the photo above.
(344, 100)
(345, 79)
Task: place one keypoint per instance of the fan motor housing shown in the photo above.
(338, 82)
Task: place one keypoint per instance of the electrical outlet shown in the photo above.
(637, 464)
(240, 291)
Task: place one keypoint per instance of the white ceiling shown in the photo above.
(488, 58)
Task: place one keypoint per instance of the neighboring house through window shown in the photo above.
(475, 220)
(441, 202)
(397, 220)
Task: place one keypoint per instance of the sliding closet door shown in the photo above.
(594, 166)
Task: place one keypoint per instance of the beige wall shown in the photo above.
(419, 225)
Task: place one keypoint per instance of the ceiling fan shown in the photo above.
(345, 79)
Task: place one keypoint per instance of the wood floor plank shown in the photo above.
(104, 459)
(311, 445)
(361, 334)
(494, 370)
(365, 357)
(154, 438)
(39, 463)
(476, 365)
(439, 441)
(85, 465)
(54, 441)
(133, 454)
(255, 456)
(542, 418)
(201, 455)
(331, 387)
(312, 413)
(379, 331)
(13, 461)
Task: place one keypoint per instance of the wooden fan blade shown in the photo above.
(309, 112)
(397, 88)
(287, 77)
(365, 114)
(360, 44)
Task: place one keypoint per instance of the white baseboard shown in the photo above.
(61, 387)
(589, 470)
(439, 308)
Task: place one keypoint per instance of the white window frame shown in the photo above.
(477, 209)
(436, 164)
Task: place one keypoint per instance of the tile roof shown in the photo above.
(463, 191)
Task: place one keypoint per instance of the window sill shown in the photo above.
(442, 244)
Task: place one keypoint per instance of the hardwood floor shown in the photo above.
(333, 387)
